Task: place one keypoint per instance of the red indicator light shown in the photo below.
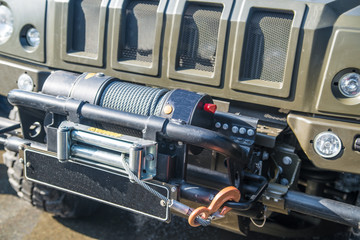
(209, 107)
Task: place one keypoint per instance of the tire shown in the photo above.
(51, 200)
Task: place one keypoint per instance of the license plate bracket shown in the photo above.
(99, 184)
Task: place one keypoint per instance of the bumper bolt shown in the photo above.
(357, 144)
(287, 160)
(149, 157)
(162, 203)
(284, 182)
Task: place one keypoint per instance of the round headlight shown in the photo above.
(6, 24)
(25, 82)
(349, 85)
(327, 144)
(33, 37)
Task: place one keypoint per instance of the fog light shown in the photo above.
(349, 85)
(6, 24)
(33, 37)
(327, 144)
(25, 82)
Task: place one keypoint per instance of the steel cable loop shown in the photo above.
(132, 98)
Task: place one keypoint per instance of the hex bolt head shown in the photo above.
(265, 156)
(171, 147)
(149, 157)
(287, 160)
(225, 126)
(218, 125)
(162, 203)
(284, 182)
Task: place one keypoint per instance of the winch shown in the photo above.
(175, 123)
(92, 125)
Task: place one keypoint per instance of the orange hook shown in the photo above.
(227, 194)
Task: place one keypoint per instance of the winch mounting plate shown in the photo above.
(95, 183)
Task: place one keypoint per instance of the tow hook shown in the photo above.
(227, 194)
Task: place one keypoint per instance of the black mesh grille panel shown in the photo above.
(85, 25)
(139, 31)
(198, 37)
(266, 46)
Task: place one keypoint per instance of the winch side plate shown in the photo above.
(108, 187)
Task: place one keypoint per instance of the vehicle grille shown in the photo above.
(139, 33)
(266, 46)
(198, 37)
(84, 25)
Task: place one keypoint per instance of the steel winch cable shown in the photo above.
(170, 202)
(133, 98)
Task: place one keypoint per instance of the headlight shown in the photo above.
(327, 144)
(349, 85)
(33, 37)
(6, 24)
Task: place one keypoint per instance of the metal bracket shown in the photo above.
(153, 126)
(73, 108)
(274, 197)
(288, 164)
